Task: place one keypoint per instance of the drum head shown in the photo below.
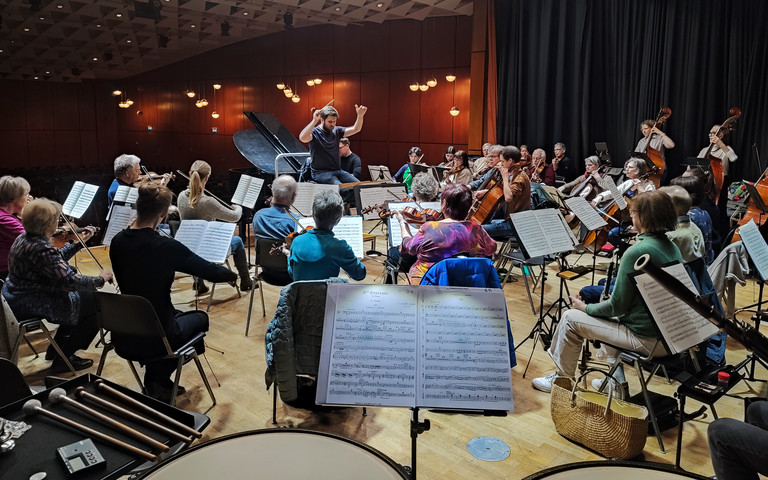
(283, 454)
(608, 470)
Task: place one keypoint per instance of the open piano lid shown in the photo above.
(262, 144)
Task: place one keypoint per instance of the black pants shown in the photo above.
(189, 324)
(79, 337)
(740, 450)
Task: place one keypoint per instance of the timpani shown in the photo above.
(611, 470)
(276, 453)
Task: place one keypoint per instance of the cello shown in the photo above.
(716, 164)
(655, 155)
(484, 208)
(753, 211)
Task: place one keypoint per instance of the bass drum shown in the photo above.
(283, 454)
(608, 470)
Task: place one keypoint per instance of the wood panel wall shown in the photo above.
(53, 124)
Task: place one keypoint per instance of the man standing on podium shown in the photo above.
(323, 136)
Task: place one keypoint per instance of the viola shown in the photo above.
(420, 216)
(653, 154)
(64, 235)
(715, 164)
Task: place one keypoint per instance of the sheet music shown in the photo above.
(349, 228)
(679, 324)
(608, 184)
(370, 196)
(586, 214)
(368, 353)
(305, 195)
(543, 232)
(247, 191)
(554, 194)
(126, 194)
(79, 199)
(379, 172)
(756, 247)
(209, 240)
(463, 349)
(120, 219)
(393, 228)
(406, 346)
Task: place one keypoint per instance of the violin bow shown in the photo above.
(81, 241)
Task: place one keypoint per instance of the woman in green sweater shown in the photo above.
(622, 320)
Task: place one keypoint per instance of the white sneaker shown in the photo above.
(544, 384)
(598, 382)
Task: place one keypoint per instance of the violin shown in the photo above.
(655, 155)
(380, 208)
(715, 164)
(152, 177)
(65, 235)
(421, 216)
(286, 245)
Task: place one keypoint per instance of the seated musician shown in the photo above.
(739, 450)
(424, 189)
(622, 320)
(636, 182)
(563, 165)
(460, 171)
(145, 264)
(324, 136)
(194, 204)
(591, 165)
(350, 161)
(41, 283)
(493, 156)
(404, 175)
(127, 172)
(14, 194)
(453, 235)
(541, 169)
(274, 222)
(686, 235)
(482, 164)
(318, 254)
(517, 193)
(695, 188)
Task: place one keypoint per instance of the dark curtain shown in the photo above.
(583, 71)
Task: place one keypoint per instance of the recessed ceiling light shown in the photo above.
(245, 13)
(1, 50)
(127, 41)
(42, 18)
(47, 72)
(59, 6)
(119, 15)
(36, 77)
(26, 29)
(338, 8)
(192, 26)
(98, 25)
(379, 5)
(95, 59)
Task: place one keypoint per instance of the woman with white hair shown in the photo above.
(317, 254)
(591, 175)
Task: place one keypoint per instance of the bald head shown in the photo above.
(284, 190)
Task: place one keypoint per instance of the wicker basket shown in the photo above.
(611, 427)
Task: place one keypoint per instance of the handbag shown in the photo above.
(609, 426)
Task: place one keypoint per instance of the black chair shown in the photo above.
(130, 319)
(271, 269)
(14, 386)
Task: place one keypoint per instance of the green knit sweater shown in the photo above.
(626, 305)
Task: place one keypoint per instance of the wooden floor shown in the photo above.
(244, 403)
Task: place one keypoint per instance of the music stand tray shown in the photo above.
(755, 196)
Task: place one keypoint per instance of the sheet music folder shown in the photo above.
(415, 346)
(542, 232)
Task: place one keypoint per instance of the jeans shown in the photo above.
(333, 177)
(740, 450)
(236, 244)
(500, 229)
(592, 293)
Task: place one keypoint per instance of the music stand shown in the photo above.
(696, 162)
(602, 153)
(644, 157)
(379, 172)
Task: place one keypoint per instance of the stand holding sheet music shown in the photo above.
(435, 170)
(247, 191)
(542, 233)
(349, 228)
(415, 347)
(305, 195)
(79, 199)
(209, 240)
(377, 194)
(379, 172)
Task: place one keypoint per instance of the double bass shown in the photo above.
(753, 211)
(653, 154)
(716, 164)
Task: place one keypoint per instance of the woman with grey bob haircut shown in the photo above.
(327, 209)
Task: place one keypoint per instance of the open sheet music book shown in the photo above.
(305, 195)
(349, 228)
(585, 212)
(393, 228)
(756, 247)
(370, 195)
(247, 191)
(543, 232)
(209, 240)
(79, 199)
(126, 194)
(120, 218)
(415, 346)
(680, 326)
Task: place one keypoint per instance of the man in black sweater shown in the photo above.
(145, 264)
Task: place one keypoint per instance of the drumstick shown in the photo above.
(82, 393)
(60, 395)
(137, 404)
(34, 406)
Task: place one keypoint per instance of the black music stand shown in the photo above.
(696, 162)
